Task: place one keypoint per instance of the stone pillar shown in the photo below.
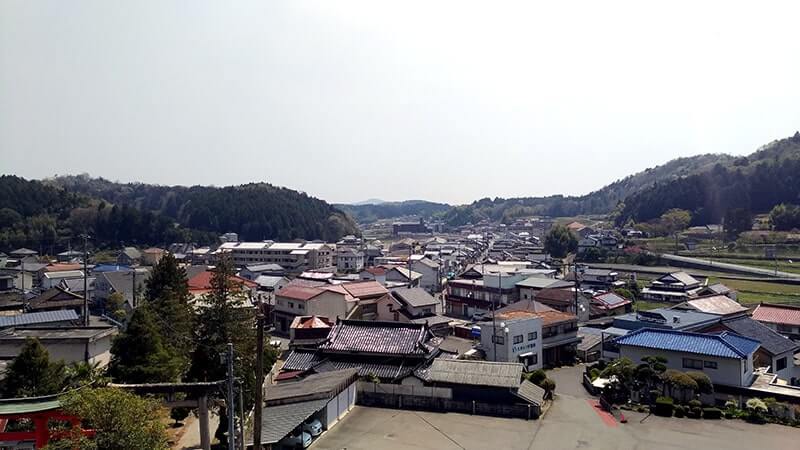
(205, 432)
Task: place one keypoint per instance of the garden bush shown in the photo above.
(593, 374)
(537, 376)
(712, 413)
(664, 406)
(680, 411)
(695, 404)
(695, 412)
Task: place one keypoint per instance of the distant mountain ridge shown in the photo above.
(366, 213)
(601, 201)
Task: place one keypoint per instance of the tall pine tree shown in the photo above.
(138, 354)
(168, 297)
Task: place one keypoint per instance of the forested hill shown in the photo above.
(601, 201)
(47, 215)
(256, 211)
(370, 212)
(755, 183)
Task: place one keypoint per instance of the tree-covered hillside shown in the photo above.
(755, 183)
(256, 211)
(601, 201)
(365, 213)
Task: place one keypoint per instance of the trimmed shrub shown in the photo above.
(593, 374)
(680, 411)
(663, 407)
(537, 376)
(712, 413)
(694, 412)
(695, 404)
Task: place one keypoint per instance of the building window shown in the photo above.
(785, 328)
(532, 336)
(689, 363)
(535, 359)
(780, 364)
(500, 340)
(518, 339)
(709, 364)
(291, 305)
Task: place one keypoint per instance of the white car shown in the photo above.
(295, 440)
(312, 426)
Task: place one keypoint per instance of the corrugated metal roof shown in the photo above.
(279, 421)
(319, 385)
(724, 345)
(476, 373)
(717, 304)
(38, 317)
(530, 393)
(389, 338)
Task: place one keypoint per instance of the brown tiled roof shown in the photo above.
(62, 267)
(299, 292)
(531, 308)
(566, 296)
(362, 289)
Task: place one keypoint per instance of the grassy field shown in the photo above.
(751, 292)
(784, 266)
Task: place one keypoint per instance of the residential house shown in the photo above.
(486, 382)
(529, 287)
(720, 305)
(609, 304)
(776, 351)
(69, 344)
(785, 319)
(199, 284)
(40, 319)
(388, 351)
(76, 285)
(727, 358)
(513, 336)
(56, 299)
(327, 301)
(349, 260)
(371, 252)
(53, 279)
(129, 283)
(559, 331)
(603, 279)
(22, 253)
(69, 256)
(374, 273)
(151, 256)
(717, 289)
(431, 279)
(129, 256)
(309, 331)
(401, 276)
(413, 305)
(269, 285)
(565, 300)
(672, 287)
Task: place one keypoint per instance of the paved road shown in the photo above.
(571, 423)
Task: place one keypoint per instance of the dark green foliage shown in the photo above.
(139, 355)
(704, 384)
(712, 413)
(168, 297)
(663, 407)
(121, 420)
(694, 412)
(737, 221)
(179, 414)
(695, 403)
(785, 217)
(559, 241)
(680, 411)
(32, 374)
(770, 177)
(537, 376)
(256, 211)
(388, 210)
(549, 386)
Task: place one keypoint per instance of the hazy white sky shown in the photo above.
(447, 101)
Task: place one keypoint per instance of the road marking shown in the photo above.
(605, 416)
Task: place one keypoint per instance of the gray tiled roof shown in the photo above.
(477, 373)
(415, 297)
(770, 340)
(37, 318)
(389, 338)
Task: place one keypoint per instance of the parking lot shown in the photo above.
(571, 422)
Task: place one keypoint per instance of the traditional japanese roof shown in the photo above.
(64, 315)
(717, 304)
(562, 296)
(56, 297)
(378, 338)
(414, 297)
(408, 274)
(677, 278)
(365, 289)
(475, 373)
(311, 322)
(723, 345)
(771, 341)
(782, 314)
(610, 300)
(302, 293)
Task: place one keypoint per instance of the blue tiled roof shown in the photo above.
(724, 345)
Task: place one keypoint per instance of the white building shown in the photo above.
(517, 337)
(431, 274)
(349, 260)
(293, 256)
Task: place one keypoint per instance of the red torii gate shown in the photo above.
(40, 410)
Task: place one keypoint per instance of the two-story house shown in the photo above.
(430, 271)
(327, 301)
(673, 287)
(785, 319)
(559, 331)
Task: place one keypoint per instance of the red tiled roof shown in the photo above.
(789, 315)
(311, 322)
(376, 270)
(62, 267)
(202, 281)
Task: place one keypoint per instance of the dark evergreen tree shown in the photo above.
(560, 241)
(139, 355)
(32, 374)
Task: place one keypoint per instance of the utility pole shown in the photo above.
(259, 376)
(85, 282)
(494, 314)
(133, 291)
(230, 406)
